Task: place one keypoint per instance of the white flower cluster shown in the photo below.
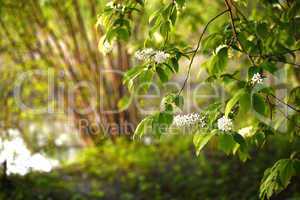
(160, 57)
(188, 120)
(256, 79)
(225, 124)
(115, 6)
(152, 55)
(19, 160)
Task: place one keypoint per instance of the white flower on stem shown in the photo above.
(256, 79)
(225, 124)
(188, 120)
(160, 57)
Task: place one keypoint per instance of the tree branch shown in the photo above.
(235, 34)
(198, 46)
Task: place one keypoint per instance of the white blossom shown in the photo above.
(160, 57)
(107, 47)
(256, 79)
(188, 120)
(225, 123)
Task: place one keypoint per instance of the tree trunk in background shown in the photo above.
(67, 41)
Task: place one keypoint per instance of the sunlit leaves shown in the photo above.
(163, 19)
(259, 104)
(234, 100)
(143, 127)
(277, 177)
(201, 139)
(163, 76)
(226, 143)
(116, 20)
(218, 61)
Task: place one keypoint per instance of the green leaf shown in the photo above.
(286, 172)
(131, 75)
(244, 105)
(154, 16)
(175, 64)
(124, 103)
(142, 127)
(234, 100)
(122, 33)
(296, 164)
(167, 11)
(165, 28)
(211, 42)
(145, 80)
(201, 139)
(155, 27)
(262, 30)
(162, 74)
(269, 66)
(180, 2)
(226, 143)
(277, 178)
(173, 16)
(240, 140)
(218, 62)
(165, 118)
(259, 105)
(110, 35)
(179, 101)
(294, 96)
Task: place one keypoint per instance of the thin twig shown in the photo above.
(235, 34)
(197, 48)
(287, 117)
(282, 102)
(286, 62)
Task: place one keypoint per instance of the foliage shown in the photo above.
(166, 169)
(261, 35)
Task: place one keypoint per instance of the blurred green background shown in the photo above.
(60, 38)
